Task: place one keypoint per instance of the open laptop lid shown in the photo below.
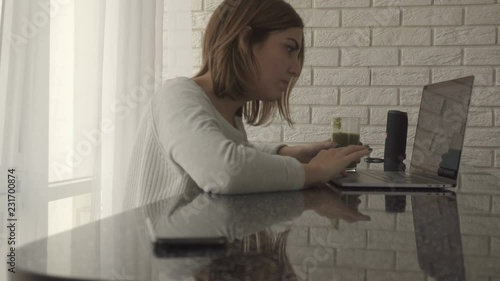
(441, 126)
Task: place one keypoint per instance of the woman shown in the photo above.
(192, 134)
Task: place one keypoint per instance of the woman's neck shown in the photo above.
(225, 106)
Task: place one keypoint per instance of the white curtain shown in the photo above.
(75, 77)
(24, 91)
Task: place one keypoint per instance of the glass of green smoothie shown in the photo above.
(345, 131)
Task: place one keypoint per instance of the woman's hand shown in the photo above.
(304, 153)
(331, 163)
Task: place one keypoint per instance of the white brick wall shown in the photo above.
(320, 18)
(483, 75)
(197, 5)
(342, 37)
(369, 56)
(486, 96)
(431, 56)
(482, 56)
(341, 76)
(399, 76)
(321, 57)
(363, 58)
(370, 17)
(496, 205)
(432, 16)
(401, 36)
(478, 157)
(488, 14)
(401, 2)
(371, 96)
(470, 35)
(340, 3)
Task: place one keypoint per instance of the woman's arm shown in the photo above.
(196, 143)
(304, 153)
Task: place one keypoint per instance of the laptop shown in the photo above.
(438, 144)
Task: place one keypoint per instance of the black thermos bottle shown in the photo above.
(395, 154)
(395, 141)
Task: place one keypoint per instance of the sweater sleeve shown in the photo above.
(188, 131)
(268, 148)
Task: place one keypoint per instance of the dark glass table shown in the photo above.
(318, 234)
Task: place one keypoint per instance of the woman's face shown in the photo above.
(278, 59)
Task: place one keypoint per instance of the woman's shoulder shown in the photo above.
(182, 82)
(179, 86)
(179, 94)
(178, 91)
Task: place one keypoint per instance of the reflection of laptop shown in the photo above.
(407, 191)
(438, 141)
(438, 238)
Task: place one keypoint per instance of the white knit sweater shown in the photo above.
(183, 143)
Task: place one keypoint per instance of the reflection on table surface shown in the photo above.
(317, 234)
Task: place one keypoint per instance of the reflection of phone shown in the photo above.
(190, 247)
(190, 242)
(186, 246)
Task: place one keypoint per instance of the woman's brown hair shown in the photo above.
(230, 59)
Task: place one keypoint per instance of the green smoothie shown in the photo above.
(345, 139)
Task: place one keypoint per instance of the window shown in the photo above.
(70, 171)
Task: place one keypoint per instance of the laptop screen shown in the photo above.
(441, 128)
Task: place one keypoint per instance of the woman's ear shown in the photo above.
(246, 31)
(245, 36)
